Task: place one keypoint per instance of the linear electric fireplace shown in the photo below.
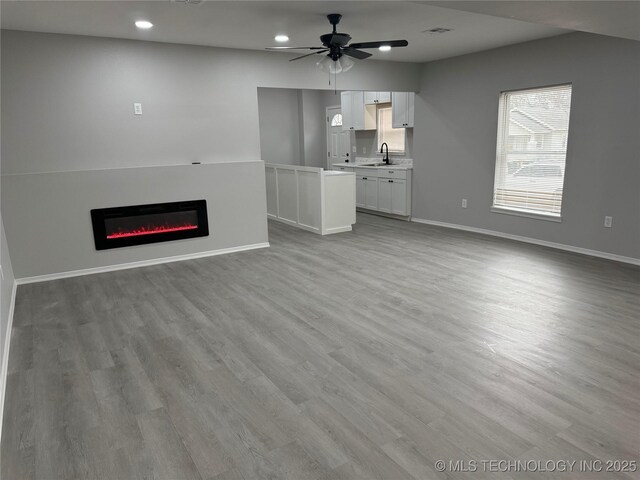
(140, 224)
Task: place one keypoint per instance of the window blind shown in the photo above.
(533, 128)
(386, 133)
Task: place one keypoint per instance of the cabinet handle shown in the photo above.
(364, 178)
(390, 171)
(390, 181)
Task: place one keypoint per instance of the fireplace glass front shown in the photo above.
(142, 224)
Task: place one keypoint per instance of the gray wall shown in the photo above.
(279, 111)
(313, 127)
(456, 126)
(293, 125)
(68, 107)
(47, 215)
(68, 100)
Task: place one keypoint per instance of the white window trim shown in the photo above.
(549, 217)
(502, 117)
(397, 153)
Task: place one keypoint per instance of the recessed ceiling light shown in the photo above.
(144, 24)
(384, 48)
(281, 38)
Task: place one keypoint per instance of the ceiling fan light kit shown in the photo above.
(328, 65)
(337, 49)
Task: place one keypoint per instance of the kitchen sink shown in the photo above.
(373, 164)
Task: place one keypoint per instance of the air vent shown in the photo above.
(432, 31)
(190, 2)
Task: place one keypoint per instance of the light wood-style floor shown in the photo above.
(365, 355)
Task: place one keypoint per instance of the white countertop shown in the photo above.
(334, 172)
(391, 166)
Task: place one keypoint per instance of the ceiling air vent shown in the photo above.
(433, 31)
(190, 2)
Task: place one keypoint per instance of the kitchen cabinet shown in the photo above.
(355, 115)
(402, 109)
(366, 191)
(372, 98)
(382, 189)
(392, 196)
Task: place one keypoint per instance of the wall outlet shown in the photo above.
(364, 150)
(354, 149)
(608, 221)
(464, 203)
(137, 109)
(1, 272)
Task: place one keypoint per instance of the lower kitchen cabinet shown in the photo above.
(385, 190)
(366, 192)
(392, 196)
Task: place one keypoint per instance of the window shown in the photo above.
(533, 127)
(336, 121)
(386, 133)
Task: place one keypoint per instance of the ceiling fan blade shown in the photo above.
(294, 48)
(308, 55)
(352, 52)
(391, 43)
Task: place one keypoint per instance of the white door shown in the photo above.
(338, 141)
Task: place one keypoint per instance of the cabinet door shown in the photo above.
(384, 97)
(370, 97)
(346, 105)
(361, 189)
(371, 193)
(411, 97)
(399, 197)
(357, 111)
(384, 194)
(399, 105)
(402, 108)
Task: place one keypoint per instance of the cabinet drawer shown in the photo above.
(344, 169)
(392, 173)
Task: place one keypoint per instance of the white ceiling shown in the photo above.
(253, 24)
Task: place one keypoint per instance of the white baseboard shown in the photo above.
(534, 241)
(143, 263)
(329, 231)
(5, 354)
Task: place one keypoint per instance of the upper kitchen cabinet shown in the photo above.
(402, 109)
(355, 114)
(373, 98)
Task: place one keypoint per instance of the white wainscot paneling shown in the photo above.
(311, 198)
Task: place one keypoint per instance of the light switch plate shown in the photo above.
(137, 109)
(464, 203)
(608, 222)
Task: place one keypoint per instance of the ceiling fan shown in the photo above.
(336, 44)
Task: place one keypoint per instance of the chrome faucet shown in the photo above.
(386, 155)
